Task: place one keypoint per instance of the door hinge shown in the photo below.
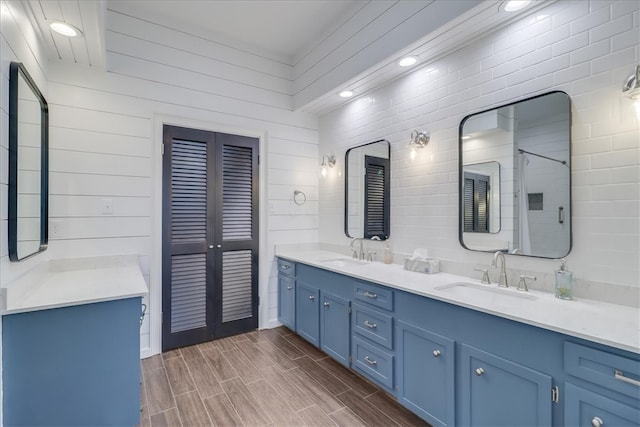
(349, 310)
(350, 360)
(555, 394)
(162, 149)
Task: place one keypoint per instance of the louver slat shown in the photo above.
(237, 272)
(375, 202)
(468, 205)
(237, 192)
(188, 292)
(188, 191)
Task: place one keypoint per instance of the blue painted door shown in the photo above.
(334, 327)
(499, 392)
(287, 301)
(426, 374)
(307, 312)
(586, 408)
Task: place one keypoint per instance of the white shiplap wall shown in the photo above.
(18, 42)
(585, 48)
(105, 147)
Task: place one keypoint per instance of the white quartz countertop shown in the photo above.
(610, 324)
(64, 283)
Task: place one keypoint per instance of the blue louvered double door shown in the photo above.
(210, 236)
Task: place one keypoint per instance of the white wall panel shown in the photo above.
(572, 49)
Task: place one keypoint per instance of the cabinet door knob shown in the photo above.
(311, 297)
(370, 294)
(436, 353)
(326, 304)
(370, 361)
(289, 288)
(597, 422)
(479, 371)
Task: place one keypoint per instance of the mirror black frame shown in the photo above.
(461, 180)
(387, 194)
(16, 71)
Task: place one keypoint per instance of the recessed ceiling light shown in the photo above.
(515, 5)
(65, 29)
(346, 94)
(408, 61)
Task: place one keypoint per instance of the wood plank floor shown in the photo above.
(262, 378)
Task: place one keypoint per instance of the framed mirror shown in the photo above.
(28, 165)
(367, 188)
(515, 178)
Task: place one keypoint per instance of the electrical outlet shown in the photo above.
(107, 206)
(55, 228)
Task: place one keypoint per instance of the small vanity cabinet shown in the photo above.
(453, 365)
(73, 366)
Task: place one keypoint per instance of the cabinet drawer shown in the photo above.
(373, 361)
(286, 267)
(608, 370)
(374, 325)
(375, 295)
(586, 408)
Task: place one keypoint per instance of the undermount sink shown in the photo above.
(482, 291)
(343, 262)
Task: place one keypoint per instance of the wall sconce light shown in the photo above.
(631, 86)
(328, 160)
(419, 139)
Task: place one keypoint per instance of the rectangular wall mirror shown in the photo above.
(28, 165)
(367, 187)
(515, 178)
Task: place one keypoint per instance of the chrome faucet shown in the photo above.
(358, 254)
(502, 282)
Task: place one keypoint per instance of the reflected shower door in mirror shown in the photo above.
(367, 187)
(515, 178)
(28, 165)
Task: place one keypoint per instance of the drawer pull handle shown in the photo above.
(620, 376)
(370, 325)
(479, 371)
(311, 297)
(436, 353)
(285, 267)
(370, 294)
(326, 304)
(370, 362)
(597, 422)
(289, 288)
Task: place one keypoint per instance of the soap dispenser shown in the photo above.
(388, 254)
(564, 282)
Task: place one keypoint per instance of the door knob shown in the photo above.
(597, 422)
(210, 246)
(479, 371)
(436, 353)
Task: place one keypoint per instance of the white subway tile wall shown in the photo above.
(585, 48)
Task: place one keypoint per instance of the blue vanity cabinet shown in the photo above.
(287, 293)
(426, 374)
(602, 389)
(587, 408)
(73, 366)
(499, 392)
(334, 327)
(373, 349)
(308, 312)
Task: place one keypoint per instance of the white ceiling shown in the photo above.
(287, 31)
(277, 28)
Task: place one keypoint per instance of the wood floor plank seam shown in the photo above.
(283, 382)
